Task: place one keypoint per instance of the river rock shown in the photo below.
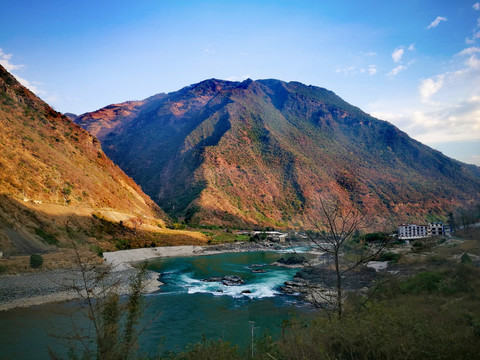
(228, 280)
(294, 261)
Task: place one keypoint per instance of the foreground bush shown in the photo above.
(432, 315)
(36, 261)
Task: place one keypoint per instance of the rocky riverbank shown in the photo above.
(60, 285)
(122, 260)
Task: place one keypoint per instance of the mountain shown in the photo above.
(265, 152)
(52, 171)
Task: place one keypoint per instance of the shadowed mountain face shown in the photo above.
(264, 152)
(51, 168)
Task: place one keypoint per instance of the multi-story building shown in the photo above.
(413, 231)
(435, 229)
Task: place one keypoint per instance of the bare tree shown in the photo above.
(333, 235)
(114, 322)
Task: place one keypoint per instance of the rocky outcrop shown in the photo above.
(228, 280)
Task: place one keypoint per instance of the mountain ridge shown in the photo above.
(264, 152)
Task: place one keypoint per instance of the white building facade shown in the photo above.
(413, 231)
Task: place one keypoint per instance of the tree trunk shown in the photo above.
(339, 286)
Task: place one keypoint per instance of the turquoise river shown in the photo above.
(181, 312)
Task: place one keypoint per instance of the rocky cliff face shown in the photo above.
(264, 152)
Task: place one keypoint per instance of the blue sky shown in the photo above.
(415, 63)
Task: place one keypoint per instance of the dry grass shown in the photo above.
(63, 259)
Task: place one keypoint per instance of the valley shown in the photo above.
(223, 164)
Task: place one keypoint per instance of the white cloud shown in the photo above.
(445, 123)
(473, 38)
(5, 61)
(436, 22)
(350, 70)
(429, 87)
(473, 62)
(476, 6)
(411, 47)
(396, 70)
(451, 122)
(469, 51)
(372, 70)
(397, 54)
(29, 85)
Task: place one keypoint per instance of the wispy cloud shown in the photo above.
(448, 104)
(349, 70)
(436, 22)
(472, 39)
(446, 123)
(372, 70)
(368, 53)
(5, 61)
(397, 54)
(469, 51)
(452, 122)
(397, 70)
(476, 30)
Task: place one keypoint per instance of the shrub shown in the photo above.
(389, 256)
(425, 281)
(97, 250)
(210, 349)
(466, 259)
(36, 261)
(426, 244)
(177, 226)
(378, 236)
(122, 244)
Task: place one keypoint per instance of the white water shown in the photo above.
(263, 287)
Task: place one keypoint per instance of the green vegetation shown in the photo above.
(425, 244)
(36, 261)
(209, 350)
(46, 236)
(177, 226)
(389, 256)
(376, 236)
